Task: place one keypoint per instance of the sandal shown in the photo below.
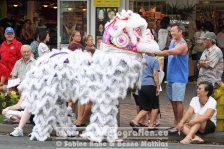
(151, 128)
(156, 124)
(197, 140)
(142, 125)
(186, 140)
(134, 126)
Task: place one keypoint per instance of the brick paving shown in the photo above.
(128, 112)
(128, 109)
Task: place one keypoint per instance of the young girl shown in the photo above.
(84, 110)
(89, 44)
(43, 39)
(75, 41)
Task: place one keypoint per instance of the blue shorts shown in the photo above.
(176, 91)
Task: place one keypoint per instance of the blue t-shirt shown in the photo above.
(177, 67)
(151, 64)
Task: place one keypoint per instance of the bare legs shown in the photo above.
(15, 118)
(25, 117)
(83, 113)
(190, 132)
(153, 117)
(139, 116)
(178, 111)
(142, 114)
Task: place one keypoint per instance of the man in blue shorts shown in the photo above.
(177, 71)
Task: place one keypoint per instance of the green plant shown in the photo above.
(11, 99)
(1, 118)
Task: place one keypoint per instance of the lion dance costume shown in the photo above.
(103, 78)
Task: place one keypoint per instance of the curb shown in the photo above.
(213, 138)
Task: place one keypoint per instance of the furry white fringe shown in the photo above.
(63, 75)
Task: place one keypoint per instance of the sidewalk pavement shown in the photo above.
(127, 112)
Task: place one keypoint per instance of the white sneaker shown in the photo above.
(18, 132)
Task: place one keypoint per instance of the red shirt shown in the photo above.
(10, 53)
(4, 72)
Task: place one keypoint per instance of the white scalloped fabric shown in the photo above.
(62, 75)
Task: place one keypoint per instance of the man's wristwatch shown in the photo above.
(155, 54)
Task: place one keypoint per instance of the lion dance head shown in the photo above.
(128, 31)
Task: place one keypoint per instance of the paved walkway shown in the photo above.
(128, 112)
(128, 108)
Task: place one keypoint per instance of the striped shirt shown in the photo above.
(214, 72)
(21, 68)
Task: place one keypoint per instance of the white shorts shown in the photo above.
(11, 113)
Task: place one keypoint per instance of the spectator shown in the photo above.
(23, 65)
(10, 49)
(148, 100)
(89, 44)
(85, 110)
(211, 62)
(17, 114)
(177, 72)
(14, 112)
(198, 45)
(27, 34)
(163, 39)
(18, 131)
(41, 27)
(43, 38)
(4, 75)
(34, 47)
(203, 109)
(75, 41)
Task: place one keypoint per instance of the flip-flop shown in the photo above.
(134, 126)
(151, 128)
(142, 125)
(156, 124)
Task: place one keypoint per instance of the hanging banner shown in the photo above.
(107, 3)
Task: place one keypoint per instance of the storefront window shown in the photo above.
(155, 10)
(73, 16)
(103, 15)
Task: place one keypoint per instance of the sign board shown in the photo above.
(107, 3)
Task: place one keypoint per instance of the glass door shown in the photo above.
(72, 15)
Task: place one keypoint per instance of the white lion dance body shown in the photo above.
(102, 78)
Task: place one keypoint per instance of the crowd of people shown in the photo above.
(17, 59)
(210, 67)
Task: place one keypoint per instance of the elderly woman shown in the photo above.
(203, 106)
